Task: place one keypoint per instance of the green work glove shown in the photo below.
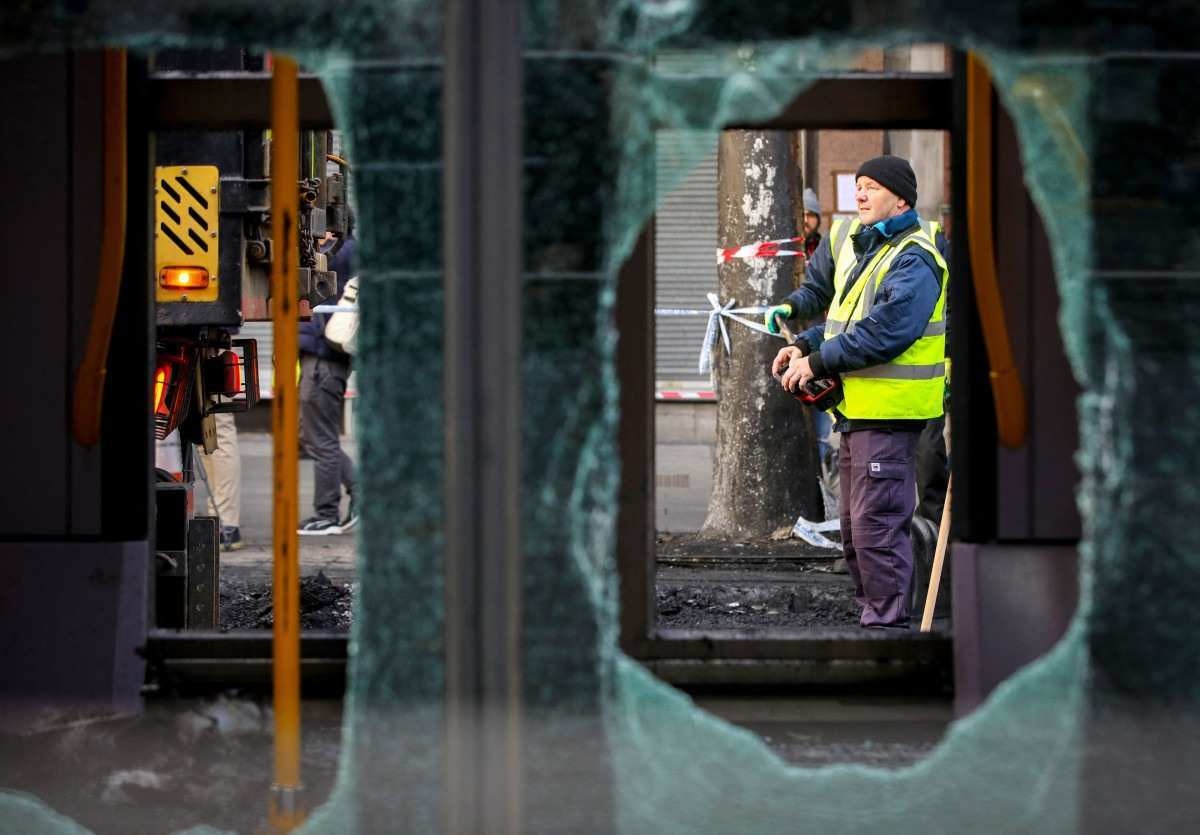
(784, 310)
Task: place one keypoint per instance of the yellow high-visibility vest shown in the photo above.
(911, 386)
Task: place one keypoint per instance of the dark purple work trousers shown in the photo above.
(878, 496)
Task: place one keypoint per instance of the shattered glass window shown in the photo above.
(1098, 735)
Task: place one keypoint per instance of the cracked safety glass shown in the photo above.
(1067, 665)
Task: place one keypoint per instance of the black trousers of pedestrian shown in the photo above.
(322, 395)
(933, 470)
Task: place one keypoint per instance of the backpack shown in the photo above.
(341, 330)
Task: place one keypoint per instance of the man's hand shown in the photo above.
(783, 358)
(798, 373)
(783, 310)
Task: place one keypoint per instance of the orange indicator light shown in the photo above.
(183, 278)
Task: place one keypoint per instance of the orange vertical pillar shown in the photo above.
(286, 811)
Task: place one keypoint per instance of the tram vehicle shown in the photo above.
(212, 258)
(194, 145)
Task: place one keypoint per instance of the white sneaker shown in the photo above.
(316, 526)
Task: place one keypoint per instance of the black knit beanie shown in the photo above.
(894, 174)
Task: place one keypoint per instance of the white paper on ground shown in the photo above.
(811, 532)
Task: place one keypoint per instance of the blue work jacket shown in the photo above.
(900, 311)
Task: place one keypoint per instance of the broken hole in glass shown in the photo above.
(681, 220)
(650, 760)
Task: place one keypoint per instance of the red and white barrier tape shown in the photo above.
(671, 394)
(758, 249)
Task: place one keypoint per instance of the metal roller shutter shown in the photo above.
(265, 334)
(685, 241)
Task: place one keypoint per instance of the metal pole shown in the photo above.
(481, 246)
(286, 812)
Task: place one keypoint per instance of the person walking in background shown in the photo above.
(324, 372)
(223, 475)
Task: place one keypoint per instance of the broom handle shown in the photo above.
(939, 557)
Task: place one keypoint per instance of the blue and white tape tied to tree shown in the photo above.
(716, 321)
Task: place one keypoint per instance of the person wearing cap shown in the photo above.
(812, 222)
(882, 283)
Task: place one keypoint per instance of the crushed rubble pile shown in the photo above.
(808, 601)
(767, 582)
(324, 605)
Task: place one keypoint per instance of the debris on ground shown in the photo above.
(692, 546)
(814, 533)
(775, 581)
(324, 605)
(687, 599)
(768, 582)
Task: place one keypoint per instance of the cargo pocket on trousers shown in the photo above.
(887, 480)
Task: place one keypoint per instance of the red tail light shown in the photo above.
(162, 378)
(172, 386)
(232, 372)
(223, 375)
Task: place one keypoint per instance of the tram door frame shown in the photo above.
(850, 101)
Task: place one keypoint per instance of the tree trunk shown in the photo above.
(766, 469)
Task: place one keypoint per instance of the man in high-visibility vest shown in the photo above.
(882, 283)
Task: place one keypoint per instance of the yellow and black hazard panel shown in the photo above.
(186, 212)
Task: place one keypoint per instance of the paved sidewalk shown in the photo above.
(683, 481)
(334, 555)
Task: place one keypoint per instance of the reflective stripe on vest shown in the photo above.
(889, 371)
(911, 386)
(932, 329)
